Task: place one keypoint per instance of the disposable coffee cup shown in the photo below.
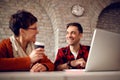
(39, 45)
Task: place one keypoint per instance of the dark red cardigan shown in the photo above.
(9, 63)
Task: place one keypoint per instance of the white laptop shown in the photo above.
(104, 54)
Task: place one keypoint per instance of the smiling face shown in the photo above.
(73, 36)
(30, 33)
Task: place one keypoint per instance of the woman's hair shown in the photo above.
(21, 19)
(80, 29)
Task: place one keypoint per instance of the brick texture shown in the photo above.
(53, 15)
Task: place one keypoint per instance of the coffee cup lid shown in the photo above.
(39, 43)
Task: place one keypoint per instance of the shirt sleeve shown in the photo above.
(60, 59)
(14, 64)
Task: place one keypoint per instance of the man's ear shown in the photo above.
(81, 35)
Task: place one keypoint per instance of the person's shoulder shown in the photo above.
(5, 44)
(63, 50)
(85, 47)
(5, 41)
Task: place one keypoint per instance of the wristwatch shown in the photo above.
(69, 65)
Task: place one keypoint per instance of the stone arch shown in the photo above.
(109, 18)
(54, 15)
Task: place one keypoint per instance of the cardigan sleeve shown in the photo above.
(45, 61)
(8, 62)
(14, 64)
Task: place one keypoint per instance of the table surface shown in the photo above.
(61, 75)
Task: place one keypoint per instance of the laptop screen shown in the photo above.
(104, 53)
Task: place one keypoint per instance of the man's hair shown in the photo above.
(21, 19)
(80, 29)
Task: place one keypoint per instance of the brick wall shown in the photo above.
(53, 15)
(109, 18)
(8, 7)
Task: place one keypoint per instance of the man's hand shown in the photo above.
(79, 62)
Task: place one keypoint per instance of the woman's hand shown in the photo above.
(36, 55)
(38, 67)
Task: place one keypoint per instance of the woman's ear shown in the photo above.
(22, 31)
